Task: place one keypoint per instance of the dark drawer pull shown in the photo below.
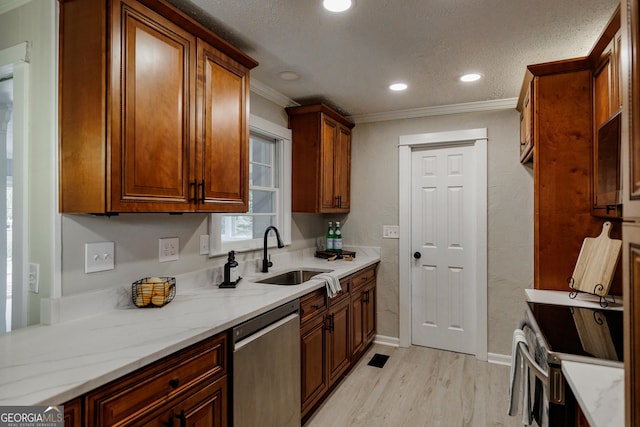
(174, 382)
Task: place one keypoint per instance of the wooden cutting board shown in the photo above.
(597, 262)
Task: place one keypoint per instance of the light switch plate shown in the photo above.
(169, 249)
(99, 257)
(390, 232)
(204, 244)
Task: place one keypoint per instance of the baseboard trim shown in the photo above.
(389, 341)
(499, 359)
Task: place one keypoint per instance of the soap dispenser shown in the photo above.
(231, 277)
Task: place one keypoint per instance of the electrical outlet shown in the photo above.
(168, 249)
(99, 257)
(204, 244)
(390, 232)
(34, 277)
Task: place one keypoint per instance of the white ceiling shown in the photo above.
(348, 60)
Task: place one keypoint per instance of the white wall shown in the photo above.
(374, 195)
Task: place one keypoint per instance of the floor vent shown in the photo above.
(378, 360)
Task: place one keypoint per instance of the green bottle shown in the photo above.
(330, 238)
(337, 238)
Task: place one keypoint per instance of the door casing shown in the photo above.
(478, 138)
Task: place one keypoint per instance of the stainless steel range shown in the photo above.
(556, 333)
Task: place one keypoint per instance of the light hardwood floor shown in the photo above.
(419, 386)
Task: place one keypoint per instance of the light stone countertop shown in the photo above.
(51, 364)
(599, 391)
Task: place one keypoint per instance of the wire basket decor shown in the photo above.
(153, 291)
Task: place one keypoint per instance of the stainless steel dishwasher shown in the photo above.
(266, 369)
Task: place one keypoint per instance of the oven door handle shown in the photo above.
(537, 369)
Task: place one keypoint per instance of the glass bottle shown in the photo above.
(337, 239)
(330, 238)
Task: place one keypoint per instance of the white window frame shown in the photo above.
(282, 136)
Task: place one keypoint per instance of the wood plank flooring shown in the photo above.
(419, 386)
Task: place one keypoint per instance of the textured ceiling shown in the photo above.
(348, 60)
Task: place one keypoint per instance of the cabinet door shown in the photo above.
(152, 127)
(526, 126)
(357, 315)
(207, 407)
(222, 164)
(313, 363)
(204, 406)
(342, 169)
(363, 316)
(603, 79)
(73, 413)
(631, 280)
(338, 348)
(328, 161)
(369, 314)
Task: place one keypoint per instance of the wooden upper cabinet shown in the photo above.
(525, 107)
(607, 99)
(153, 111)
(607, 104)
(321, 159)
(223, 132)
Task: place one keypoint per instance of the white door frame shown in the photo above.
(407, 143)
(15, 60)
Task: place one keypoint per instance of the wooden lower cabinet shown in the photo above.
(206, 407)
(338, 340)
(313, 363)
(334, 334)
(363, 318)
(73, 413)
(188, 388)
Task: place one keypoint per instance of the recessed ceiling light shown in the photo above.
(398, 87)
(472, 77)
(289, 75)
(336, 5)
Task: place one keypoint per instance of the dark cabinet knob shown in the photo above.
(417, 255)
(174, 382)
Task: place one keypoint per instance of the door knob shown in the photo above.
(417, 255)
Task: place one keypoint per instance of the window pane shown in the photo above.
(261, 223)
(260, 175)
(239, 228)
(260, 150)
(262, 201)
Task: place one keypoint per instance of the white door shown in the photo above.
(443, 230)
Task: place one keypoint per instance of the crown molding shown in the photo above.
(440, 110)
(271, 94)
(8, 5)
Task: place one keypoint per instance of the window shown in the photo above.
(269, 193)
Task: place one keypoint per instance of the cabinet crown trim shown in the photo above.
(320, 108)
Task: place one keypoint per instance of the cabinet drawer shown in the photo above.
(145, 390)
(346, 285)
(311, 304)
(363, 277)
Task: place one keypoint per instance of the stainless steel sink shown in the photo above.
(292, 277)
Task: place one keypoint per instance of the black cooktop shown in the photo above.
(581, 331)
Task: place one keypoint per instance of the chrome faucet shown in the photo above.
(266, 263)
